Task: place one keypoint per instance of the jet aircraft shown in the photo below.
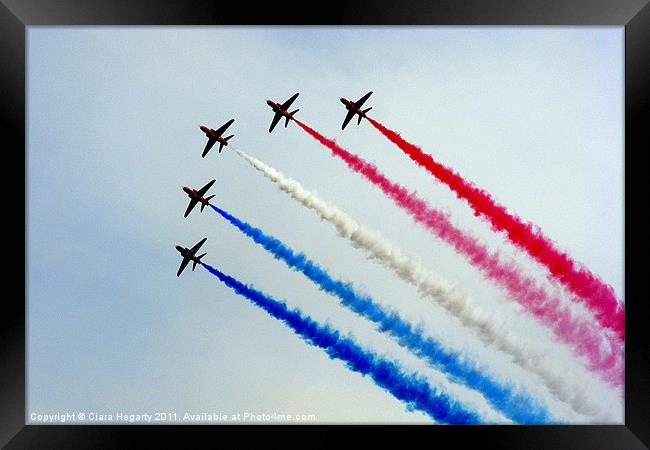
(189, 254)
(198, 197)
(355, 108)
(280, 111)
(215, 136)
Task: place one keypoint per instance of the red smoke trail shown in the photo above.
(600, 297)
(585, 338)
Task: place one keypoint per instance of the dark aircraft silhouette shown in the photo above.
(189, 254)
(281, 111)
(197, 196)
(215, 135)
(353, 108)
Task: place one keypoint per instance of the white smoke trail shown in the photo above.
(488, 328)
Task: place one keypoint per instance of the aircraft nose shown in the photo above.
(269, 102)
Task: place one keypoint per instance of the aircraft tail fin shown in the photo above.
(287, 120)
(196, 262)
(203, 205)
(225, 143)
(361, 116)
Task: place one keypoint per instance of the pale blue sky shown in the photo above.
(533, 115)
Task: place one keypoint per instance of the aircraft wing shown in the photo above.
(191, 206)
(208, 146)
(288, 103)
(194, 249)
(205, 188)
(224, 127)
(348, 118)
(275, 121)
(362, 100)
(183, 266)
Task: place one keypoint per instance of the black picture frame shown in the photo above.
(16, 15)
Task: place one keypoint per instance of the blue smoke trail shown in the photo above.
(518, 406)
(409, 388)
